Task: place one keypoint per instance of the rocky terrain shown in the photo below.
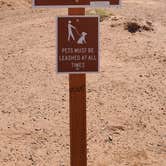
(126, 100)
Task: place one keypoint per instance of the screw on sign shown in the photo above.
(77, 44)
(75, 2)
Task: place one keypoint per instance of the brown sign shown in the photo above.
(75, 2)
(77, 44)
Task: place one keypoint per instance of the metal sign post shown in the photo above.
(77, 54)
(77, 90)
(78, 145)
(79, 62)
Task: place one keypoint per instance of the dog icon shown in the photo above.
(82, 39)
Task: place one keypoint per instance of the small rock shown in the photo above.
(110, 138)
(149, 23)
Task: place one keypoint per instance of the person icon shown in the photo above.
(82, 39)
(70, 31)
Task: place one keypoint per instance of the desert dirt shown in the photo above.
(126, 100)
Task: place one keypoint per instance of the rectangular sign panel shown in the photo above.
(77, 44)
(75, 3)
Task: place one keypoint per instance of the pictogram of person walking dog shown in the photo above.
(82, 36)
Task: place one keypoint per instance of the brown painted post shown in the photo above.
(77, 88)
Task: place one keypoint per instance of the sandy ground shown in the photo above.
(126, 101)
